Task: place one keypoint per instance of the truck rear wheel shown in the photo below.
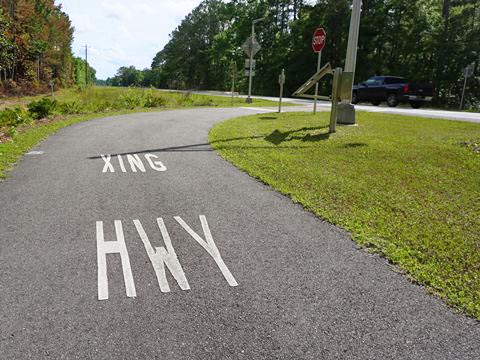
(392, 100)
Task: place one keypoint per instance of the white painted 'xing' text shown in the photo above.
(162, 258)
(133, 162)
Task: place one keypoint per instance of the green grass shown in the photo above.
(95, 95)
(94, 103)
(406, 187)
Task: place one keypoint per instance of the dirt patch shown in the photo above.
(4, 137)
(473, 145)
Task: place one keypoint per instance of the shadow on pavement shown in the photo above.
(276, 137)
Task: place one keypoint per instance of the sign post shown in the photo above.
(233, 71)
(318, 43)
(52, 84)
(251, 47)
(336, 89)
(281, 81)
(250, 67)
(467, 72)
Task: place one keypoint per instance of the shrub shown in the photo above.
(11, 87)
(131, 100)
(12, 131)
(14, 117)
(68, 108)
(42, 108)
(185, 99)
(101, 106)
(118, 104)
(204, 101)
(151, 101)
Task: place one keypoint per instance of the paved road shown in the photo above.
(401, 110)
(266, 279)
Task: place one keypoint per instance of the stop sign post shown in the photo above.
(318, 43)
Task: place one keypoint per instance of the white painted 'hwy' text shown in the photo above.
(160, 257)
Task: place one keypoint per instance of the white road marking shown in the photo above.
(257, 109)
(209, 246)
(135, 163)
(113, 247)
(161, 257)
(108, 165)
(122, 165)
(155, 165)
(36, 152)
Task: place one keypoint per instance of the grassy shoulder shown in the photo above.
(22, 129)
(406, 187)
(12, 150)
(111, 97)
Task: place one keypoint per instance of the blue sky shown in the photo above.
(123, 32)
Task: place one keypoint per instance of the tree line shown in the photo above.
(35, 48)
(422, 40)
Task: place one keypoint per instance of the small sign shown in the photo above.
(468, 71)
(281, 78)
(247, 72)
(251, 47)
(247, 64)
(319, 39)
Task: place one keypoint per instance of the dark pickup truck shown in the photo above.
(393, 90)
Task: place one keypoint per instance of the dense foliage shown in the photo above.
(422, 40)
(80, 77)
(35, 47)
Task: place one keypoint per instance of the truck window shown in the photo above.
(374, 81)
(394, 80)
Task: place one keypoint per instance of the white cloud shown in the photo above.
(116, 10)
(83, 24)
(123, 32)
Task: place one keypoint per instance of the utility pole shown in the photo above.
(86, 66)
(346, 111)
(351, 61)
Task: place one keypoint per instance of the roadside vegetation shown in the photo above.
(36, 49)
(26, 120)
(405, 187)
(424, 41)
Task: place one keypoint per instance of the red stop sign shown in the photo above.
(319, 38)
